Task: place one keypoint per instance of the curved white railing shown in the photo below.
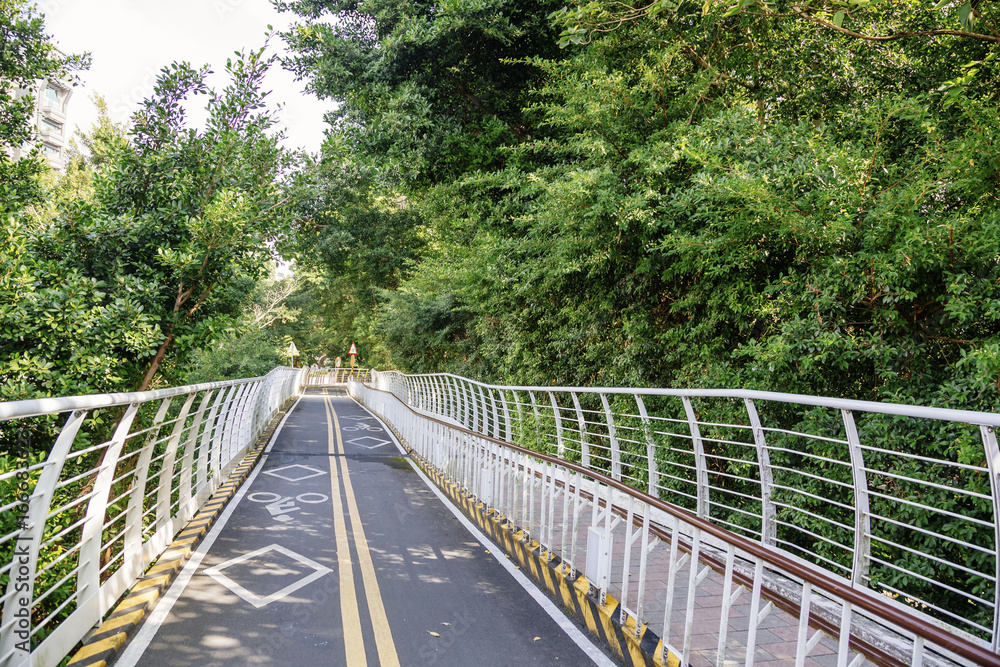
(892, 502)
(86, 511)
(326, 377)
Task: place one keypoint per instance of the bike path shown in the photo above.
(337, 553)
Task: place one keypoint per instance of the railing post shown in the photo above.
(768, 516)
(167, 469)
(230, 427)
(450, 383)
(862, 510)
(88, 581)
(584, 445)
(219, 435)
(186, 494)
(205, 453)
(647, 428)
(560, 444)
(134, 513)
(506, 416)
(475, 408)
(495, 413)
(616, 453)
(483, 409)
(701, 466)
(989, 436)
(29, 541)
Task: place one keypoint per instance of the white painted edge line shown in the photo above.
(595, 653)
(140, 642)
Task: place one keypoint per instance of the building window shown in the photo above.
(51, 152)
(51, 96)
(52, 126)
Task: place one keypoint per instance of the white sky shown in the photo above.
(131, 40)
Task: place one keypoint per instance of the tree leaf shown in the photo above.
(838, 18)
(965, 15)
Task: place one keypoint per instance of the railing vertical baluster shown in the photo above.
(647, 546)
(691, 595)
(627, 556)
(574, 535)
(483, 411)
(917, 655)
(802, 647)
(844, 641)
(727, 601)
(675, 564)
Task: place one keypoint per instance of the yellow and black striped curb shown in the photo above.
(602, 620)
(105, 644)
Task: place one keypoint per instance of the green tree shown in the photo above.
(161, 260)
(428, 90)
(197, 208)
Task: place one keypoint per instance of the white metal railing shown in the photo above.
(84, 512)
(325, 377)
(861, 512)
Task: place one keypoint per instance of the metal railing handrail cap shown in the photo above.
(897, 409)
(45, 406)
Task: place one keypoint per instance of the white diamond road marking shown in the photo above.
(276, 471)
(378, 442)
(256, 600)
(358, 418)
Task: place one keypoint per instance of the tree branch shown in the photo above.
(899, 35)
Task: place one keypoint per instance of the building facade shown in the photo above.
(52, 130)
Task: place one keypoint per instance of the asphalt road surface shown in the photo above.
(336, 552)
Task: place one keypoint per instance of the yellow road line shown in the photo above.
(354, 643)
(376, 608)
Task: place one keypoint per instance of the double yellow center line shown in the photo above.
(349, 605)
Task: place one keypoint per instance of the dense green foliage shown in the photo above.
(800, 197)
(125, 272)
(721, 195)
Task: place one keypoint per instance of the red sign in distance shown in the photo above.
(353, 350)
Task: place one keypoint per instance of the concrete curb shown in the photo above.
(106, 643)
